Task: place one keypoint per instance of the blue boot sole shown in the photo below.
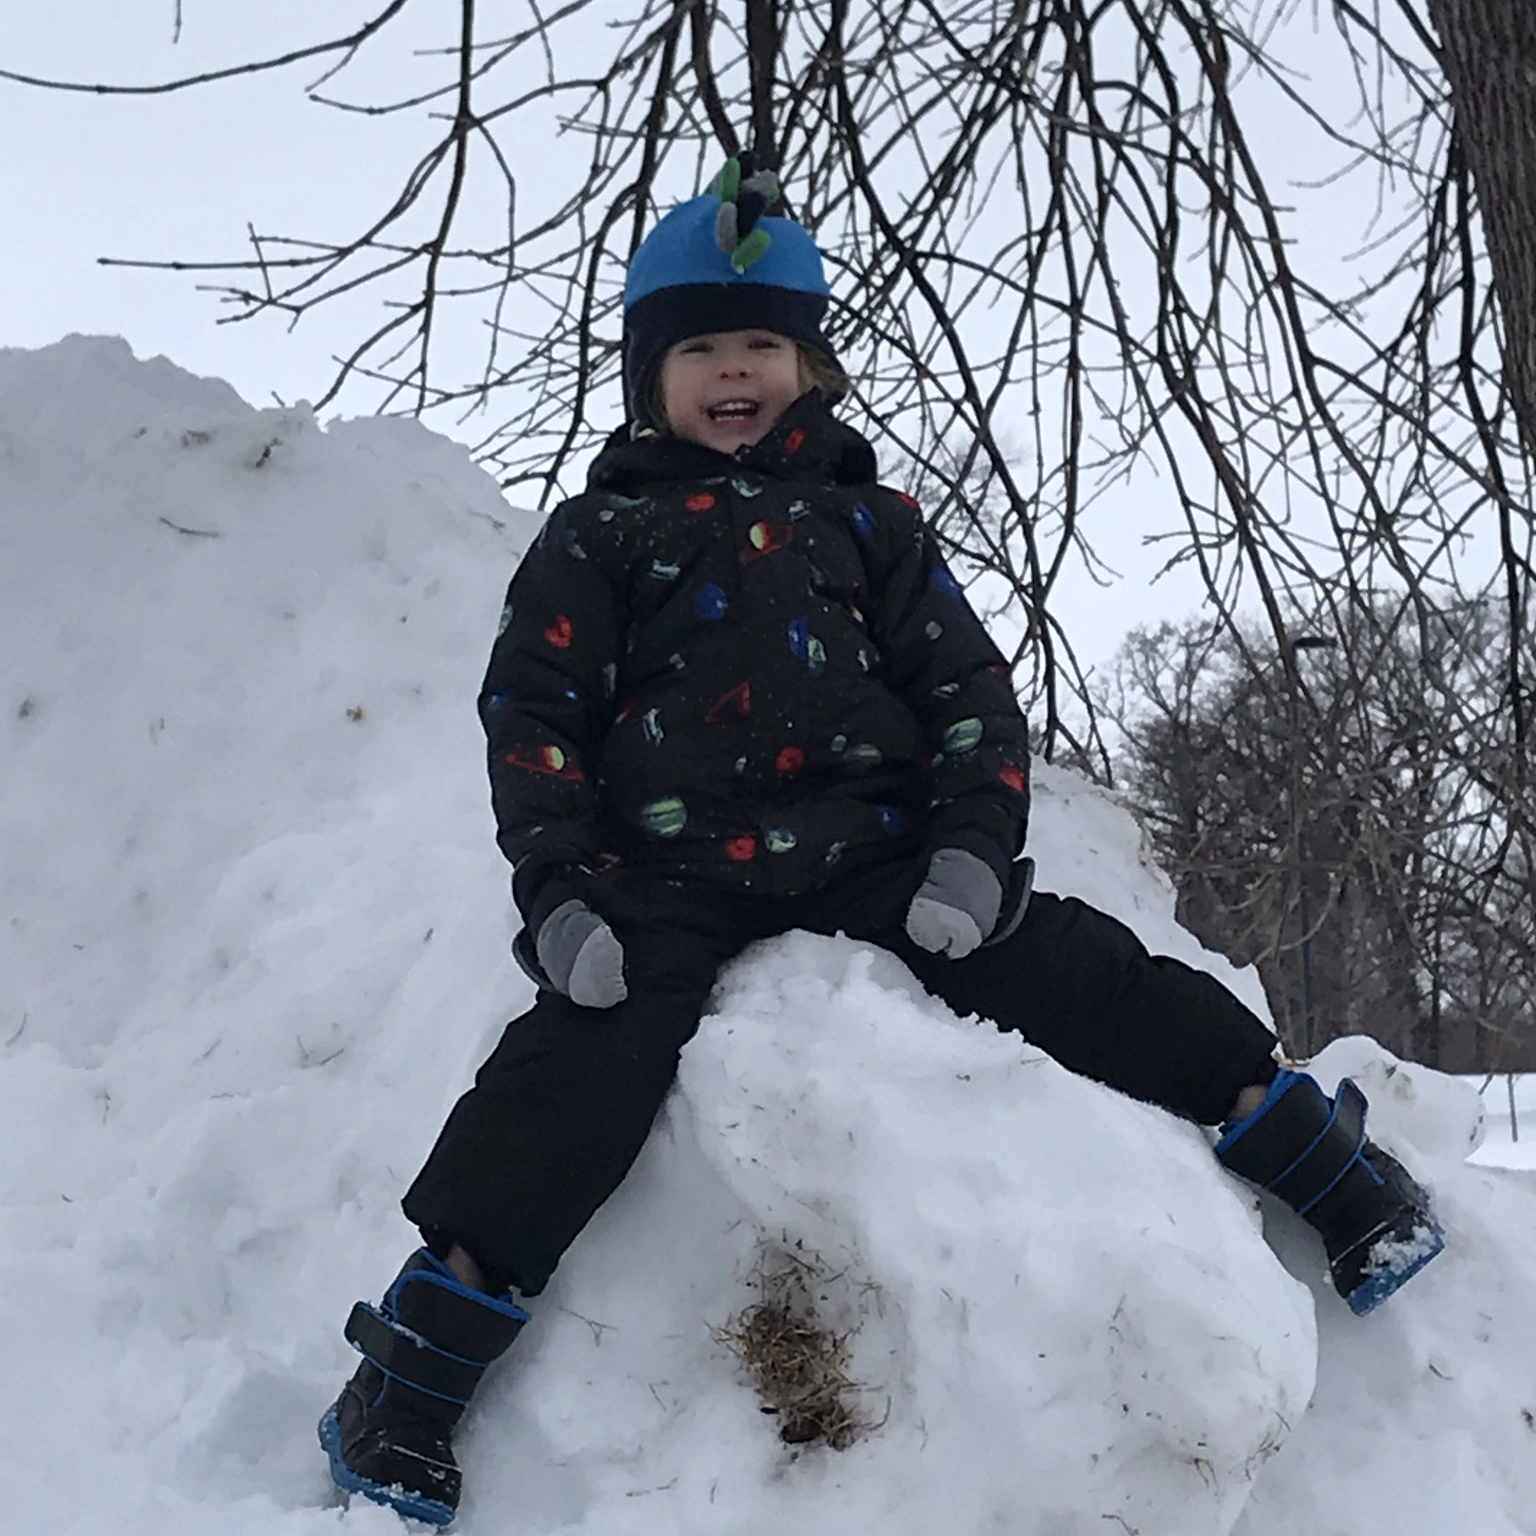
(415, 1506)
(1415, 1253)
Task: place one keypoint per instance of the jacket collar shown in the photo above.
(807, 443)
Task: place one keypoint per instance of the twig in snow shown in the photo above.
(193, 533)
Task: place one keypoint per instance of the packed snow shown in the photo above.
(255, 943)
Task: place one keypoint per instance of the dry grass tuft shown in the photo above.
(797, 1364)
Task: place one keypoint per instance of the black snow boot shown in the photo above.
(1312, 1152)
(425, 1347)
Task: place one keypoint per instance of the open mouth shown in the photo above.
(732, 410)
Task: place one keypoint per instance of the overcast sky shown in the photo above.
(176, 176)
(180, 176)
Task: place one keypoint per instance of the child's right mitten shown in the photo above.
(956, 906)
(581, 956)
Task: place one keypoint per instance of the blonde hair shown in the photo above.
(817, 371)
(824, 374)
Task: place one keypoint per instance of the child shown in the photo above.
(737, 692)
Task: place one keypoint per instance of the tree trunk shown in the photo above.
(1488, 50)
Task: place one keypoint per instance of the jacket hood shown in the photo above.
(807, 443)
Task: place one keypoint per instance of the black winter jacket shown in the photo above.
(753, 669)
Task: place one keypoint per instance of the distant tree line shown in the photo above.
(1360, 838)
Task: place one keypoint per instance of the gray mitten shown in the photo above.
(581, 956)
(956, 907)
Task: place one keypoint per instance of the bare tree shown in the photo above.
(1352, 840)
(1488, 52)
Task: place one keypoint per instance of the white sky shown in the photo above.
(170, 177)
(181, 176)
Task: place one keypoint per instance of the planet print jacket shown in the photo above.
(752, 669)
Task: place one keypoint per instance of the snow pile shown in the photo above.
(1068, 1302)
(254, 944)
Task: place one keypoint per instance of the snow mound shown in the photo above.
(254, 944)
(1104, 1353)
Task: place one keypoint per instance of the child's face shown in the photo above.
(728, 388)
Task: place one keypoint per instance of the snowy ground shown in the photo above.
(254, 943)
(1510, 1141)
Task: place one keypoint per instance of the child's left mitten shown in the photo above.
(956, 906)
(581, 955)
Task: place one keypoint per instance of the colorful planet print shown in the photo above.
(779, 839)
(506, 619)
(736, 701)
(665, 817)
(804, 645)
(933, 629)
(740, 849)
(941, 581)
(863, 754)
(963, 736)
(549, 760)
(710, 603)
(890, 819)
(863, 521)
(765, 538)
(748, 488)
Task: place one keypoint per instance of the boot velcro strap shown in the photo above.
(409, 1358)
(1330, 1155)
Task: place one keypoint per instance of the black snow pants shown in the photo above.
(561, 1108)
